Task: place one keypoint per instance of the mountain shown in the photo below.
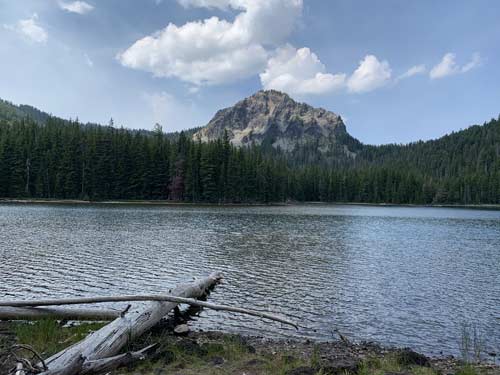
(10, 112)
(272, 118)
(65, 159)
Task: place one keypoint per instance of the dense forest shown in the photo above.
(47, 157)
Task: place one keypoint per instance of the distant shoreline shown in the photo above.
(278, 204)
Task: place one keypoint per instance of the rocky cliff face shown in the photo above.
(273, 118)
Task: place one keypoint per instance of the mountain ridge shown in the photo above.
(10, 112)
(66, 159)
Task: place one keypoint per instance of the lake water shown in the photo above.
(395, 275)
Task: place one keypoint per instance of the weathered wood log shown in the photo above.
(108, 341)
(156, 297)
(35, 313)
(105, 365)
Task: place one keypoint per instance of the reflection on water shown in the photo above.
(399, 276)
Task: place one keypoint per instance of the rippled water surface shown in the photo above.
(396, 275)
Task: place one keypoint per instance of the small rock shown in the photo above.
(181, 330)
(304, 370)
(342, 366)
(216, 361)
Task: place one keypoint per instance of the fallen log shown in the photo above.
(156, 297)
(35, 313)
(105, 365)
(107, 342)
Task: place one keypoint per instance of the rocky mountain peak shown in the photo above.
(273, 118)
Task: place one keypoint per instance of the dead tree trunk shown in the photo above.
(108, 341)
(176, 299)
(35, 313)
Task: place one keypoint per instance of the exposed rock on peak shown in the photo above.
(273, 118)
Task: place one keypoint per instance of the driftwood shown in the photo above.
(98, 352)
(189, 301)
(101, 349)
(35, 313)
(99, 366)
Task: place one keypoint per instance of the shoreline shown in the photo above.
(491, 207)
(215, 352)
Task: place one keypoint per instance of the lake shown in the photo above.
(402, 276)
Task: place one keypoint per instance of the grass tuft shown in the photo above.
(48, 337)
(471, 343)
(391, 363)
(467, 370)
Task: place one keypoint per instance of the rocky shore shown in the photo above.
(192, 353)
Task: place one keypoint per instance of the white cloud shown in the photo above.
(370, 75)
(474, 63)
(88, 60)
(413, 71)
(214, 51)
(30, 29)
(448, 66)
(299, 71)
(80, 7)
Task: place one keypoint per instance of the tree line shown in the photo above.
(62, 159)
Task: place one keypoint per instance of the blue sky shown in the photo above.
(396, 71)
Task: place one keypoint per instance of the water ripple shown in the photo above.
(399, 276)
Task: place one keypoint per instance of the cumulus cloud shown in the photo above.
(370, 75)
(214, 51)
(299, 71)
(448, 66)
(217, 51)
(413, 71)
(30, 29)
(80, 7)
